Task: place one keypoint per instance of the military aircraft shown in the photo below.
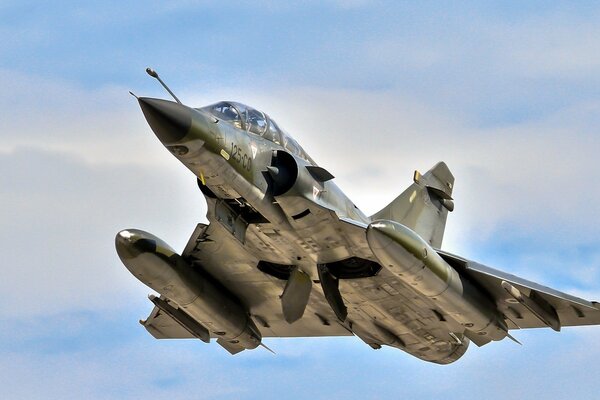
(287, 254)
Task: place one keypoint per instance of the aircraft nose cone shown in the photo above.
(170, 121)
(125, 236)
(125, 242)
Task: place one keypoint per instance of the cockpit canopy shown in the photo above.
(247, 118)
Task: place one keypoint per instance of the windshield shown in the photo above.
(227, 112)
(273, 134)
(256, 122)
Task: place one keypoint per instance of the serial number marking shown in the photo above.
(241, 157)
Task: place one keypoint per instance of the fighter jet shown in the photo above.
(288, 254)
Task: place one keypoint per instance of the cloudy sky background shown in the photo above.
(506, 94)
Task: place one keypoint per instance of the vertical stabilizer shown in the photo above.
(424, 206)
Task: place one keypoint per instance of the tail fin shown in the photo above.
(424, 206)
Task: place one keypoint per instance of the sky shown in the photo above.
(505, 92)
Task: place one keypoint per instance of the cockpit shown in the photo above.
(253, 121)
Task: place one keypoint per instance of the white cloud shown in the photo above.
(60, 216)
(558, 45)
(101, 126)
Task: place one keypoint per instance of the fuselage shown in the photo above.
(230, 159)
(271, 196)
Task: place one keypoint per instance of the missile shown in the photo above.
(540, 308)
(418, 265)
(160, 268)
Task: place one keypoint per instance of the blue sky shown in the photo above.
(505, 93)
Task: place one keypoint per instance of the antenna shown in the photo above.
(153, 74)
(265, 346)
